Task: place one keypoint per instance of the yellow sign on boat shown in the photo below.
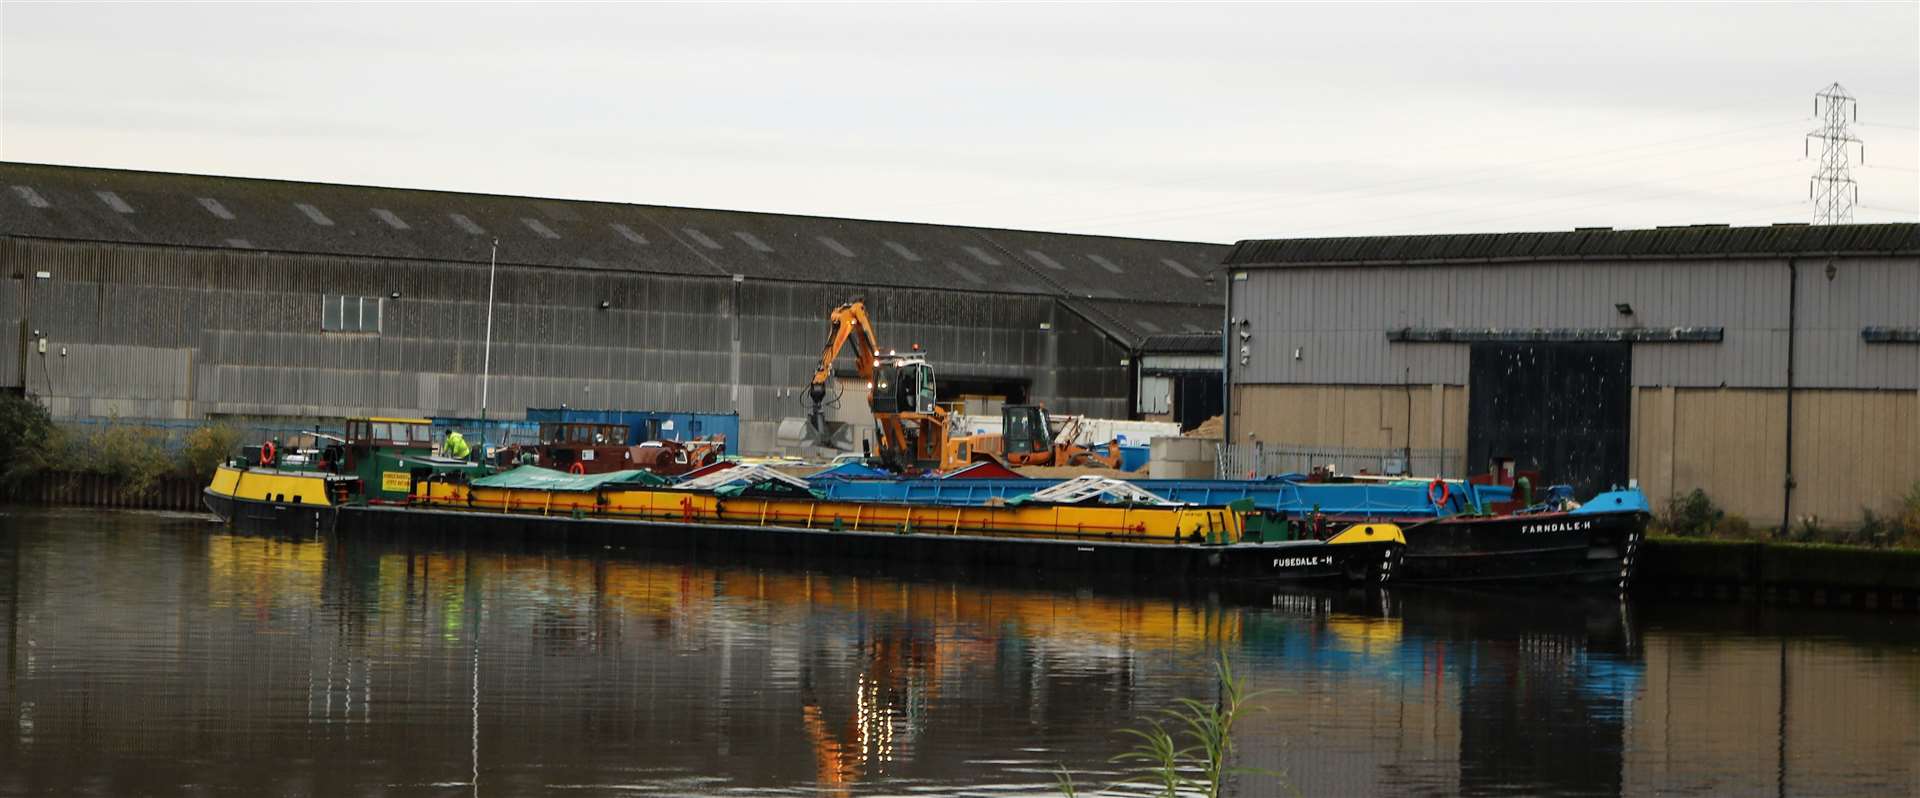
(396, 481)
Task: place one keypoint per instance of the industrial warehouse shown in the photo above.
(169, 296)
(1775, 368)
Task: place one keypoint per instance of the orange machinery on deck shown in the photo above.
(912, 427)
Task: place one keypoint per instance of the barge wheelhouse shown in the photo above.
(378, 460)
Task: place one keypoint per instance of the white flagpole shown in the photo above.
(486, 358)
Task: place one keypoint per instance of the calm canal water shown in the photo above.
(151, 654)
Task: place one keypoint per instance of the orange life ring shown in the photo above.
(1445, 492)
(266, 453)
(576, 468)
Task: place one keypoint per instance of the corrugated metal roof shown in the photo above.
(1697, 241)
(1133, 322)
(180, 210)
(1182, 343)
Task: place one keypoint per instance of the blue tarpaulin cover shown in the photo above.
(849, 471)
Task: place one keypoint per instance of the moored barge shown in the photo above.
(1109, 530)
(1438, 531)
(1456, 531)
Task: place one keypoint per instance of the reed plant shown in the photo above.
(1188, 750)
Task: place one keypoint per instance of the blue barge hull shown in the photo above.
(1594, 544)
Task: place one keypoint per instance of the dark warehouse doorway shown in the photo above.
(1557, 408)
(1196, 398)
(1014, 391)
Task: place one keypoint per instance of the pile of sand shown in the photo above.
(1215, 428)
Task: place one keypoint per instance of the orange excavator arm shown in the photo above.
(848, 322)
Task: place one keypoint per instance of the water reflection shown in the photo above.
(160, 655)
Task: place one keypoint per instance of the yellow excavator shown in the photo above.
(912, 428)
(1028, 436)
(915, 434)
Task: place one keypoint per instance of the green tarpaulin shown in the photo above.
(537, 478)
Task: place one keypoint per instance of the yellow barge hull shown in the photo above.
(270, 499)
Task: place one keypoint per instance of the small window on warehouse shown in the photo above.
(353, 314)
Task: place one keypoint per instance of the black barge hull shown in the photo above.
(248, 515)
(1593, 549)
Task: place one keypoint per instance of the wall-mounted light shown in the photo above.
(604, 304)
(1624, 308)
(1296, 353)
(1046, 325)
(43, 275)
(394, 295)
(1832, 270)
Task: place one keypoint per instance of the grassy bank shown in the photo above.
(1764, 564)
(1887, 524)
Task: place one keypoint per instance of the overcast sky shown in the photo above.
(1210, 123)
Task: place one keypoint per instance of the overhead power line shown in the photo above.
(1716, 139)
(1518, 136)
(1536, 200)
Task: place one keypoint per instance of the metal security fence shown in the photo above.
(1252, 461)
(170, 492)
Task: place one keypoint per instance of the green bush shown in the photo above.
(29, 442)
(206, 448)
(1905, 522)
(1875, 530)
(134, 456)
(1693, 515)
(1807, 530)
(1737, 527)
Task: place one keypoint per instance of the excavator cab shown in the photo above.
(904, 386)
(1028, 437)
(1025, 430)
(912, 429)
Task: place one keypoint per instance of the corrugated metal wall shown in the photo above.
(1862, 292)
(11, 291)
(183, 333)
(1853, 450)
(1704, 415)
(1353, 416)
(1338, 318)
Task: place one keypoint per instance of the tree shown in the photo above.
(28, 439)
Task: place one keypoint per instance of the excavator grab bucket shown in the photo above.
(818, 433)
